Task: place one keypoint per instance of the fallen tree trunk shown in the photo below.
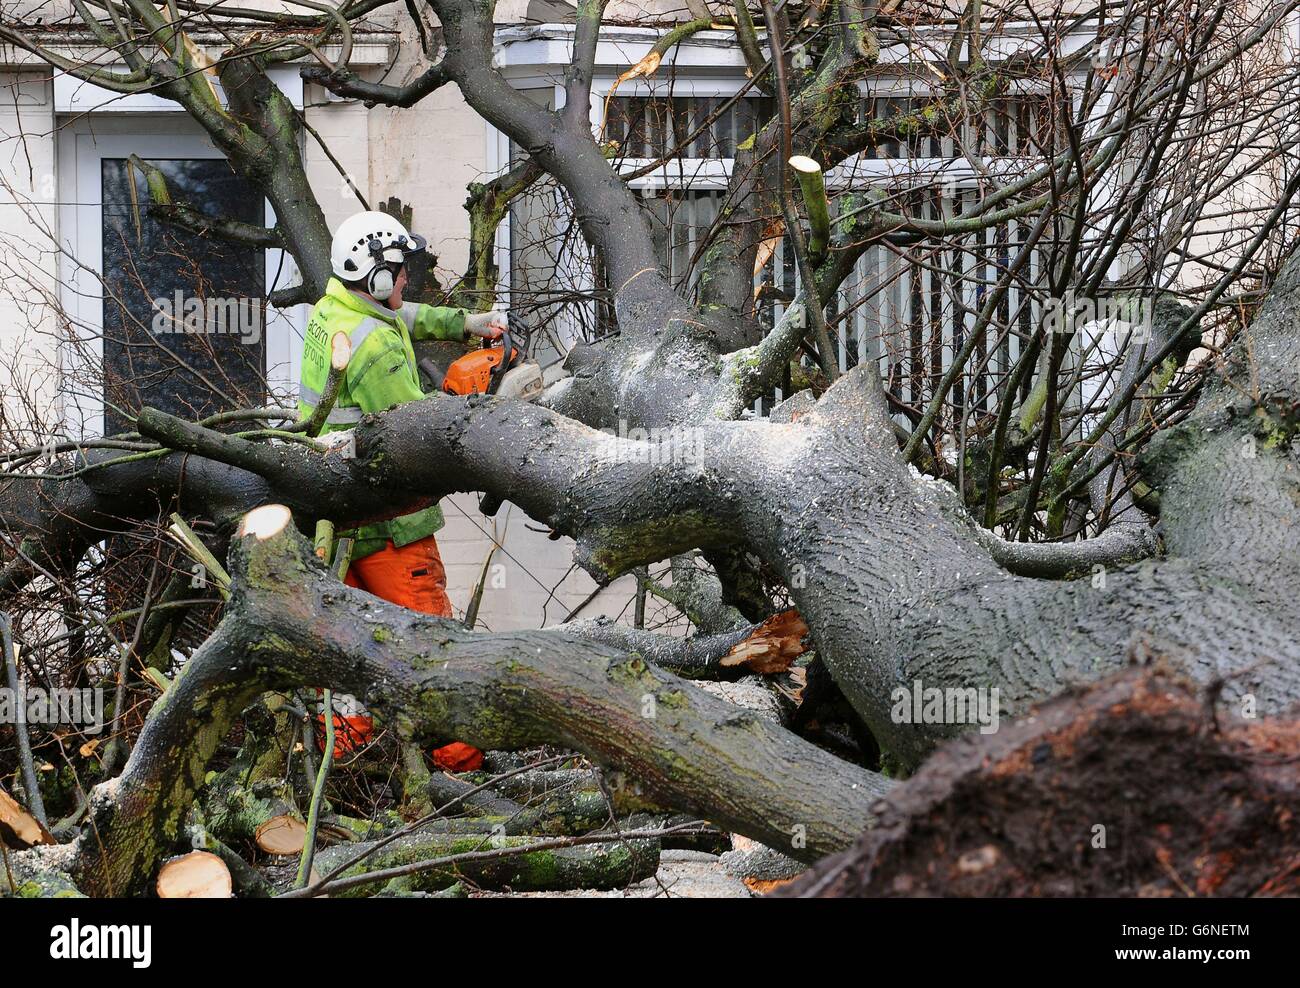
(290, 623)
(608, 865)
(883, 564)
(896, 584)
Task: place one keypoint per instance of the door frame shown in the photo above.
(82, 146)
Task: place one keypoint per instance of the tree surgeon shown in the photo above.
(397, 560)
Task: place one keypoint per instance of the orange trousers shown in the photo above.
(414, 577)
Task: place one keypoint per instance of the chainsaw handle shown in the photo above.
(431, 371)
(498, 373)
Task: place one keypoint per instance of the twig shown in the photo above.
(476, 598)
(190, 542)
(318, 794)
(340, 354)
(342, 557)
(117, 747)
(35, 803)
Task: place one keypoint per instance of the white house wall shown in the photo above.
(28, 266)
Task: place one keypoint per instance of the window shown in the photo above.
(154, 314)
(704, 126)
(183, 314)
(910, 303)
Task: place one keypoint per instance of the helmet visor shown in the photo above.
(411, 243)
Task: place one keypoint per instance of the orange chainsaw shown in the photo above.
(496, 369)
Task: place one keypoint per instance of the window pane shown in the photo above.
(183, 313)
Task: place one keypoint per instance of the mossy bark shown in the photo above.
(289, 621)
(611, 865)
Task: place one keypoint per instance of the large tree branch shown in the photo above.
(487, 205)
(290, 623)
(344, 82)
(578, 73)
(893, 585)
(191, 218)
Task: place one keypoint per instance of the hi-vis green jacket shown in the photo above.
(381, 374)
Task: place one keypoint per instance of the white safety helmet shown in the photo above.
(365, 244)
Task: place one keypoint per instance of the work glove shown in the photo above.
(489, 325)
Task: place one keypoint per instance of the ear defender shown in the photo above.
(381, 282)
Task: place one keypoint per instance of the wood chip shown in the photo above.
(773, 646)
(18, 828)
(762, 886)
